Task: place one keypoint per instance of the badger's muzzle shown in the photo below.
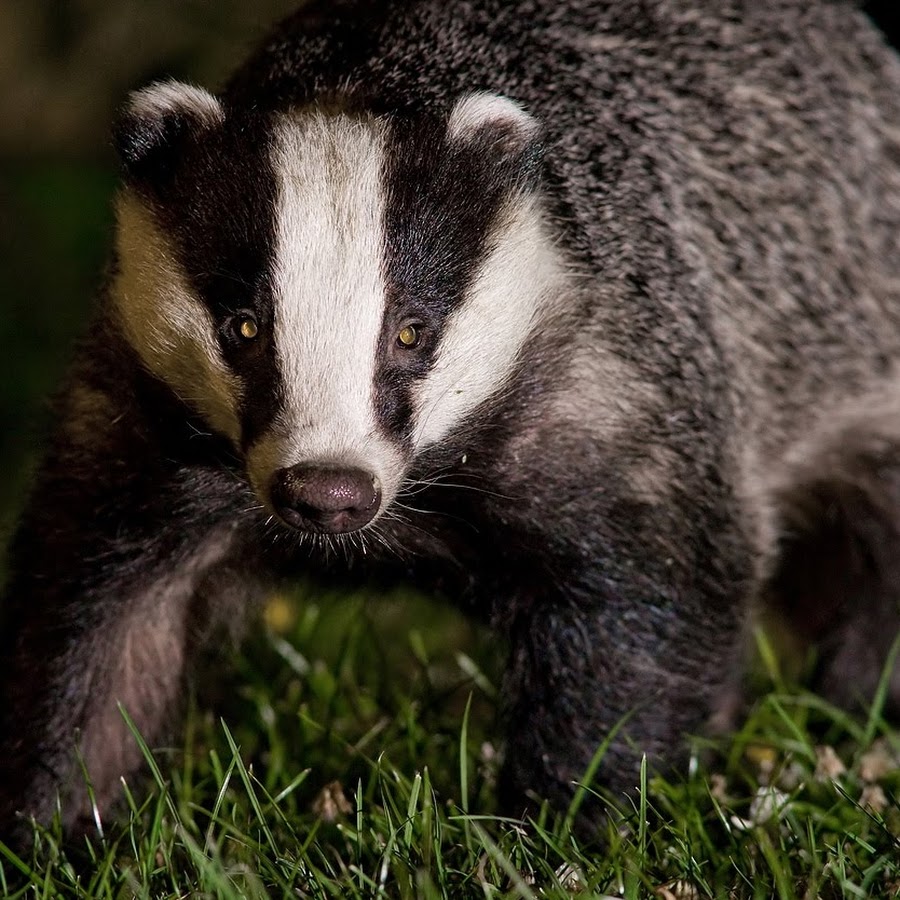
(325, 499)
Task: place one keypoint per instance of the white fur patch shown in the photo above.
(169, 327)
(329, 299)
(482, 338)
(474, 112)
(165, 97)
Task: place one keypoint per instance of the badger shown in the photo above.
(585, 314)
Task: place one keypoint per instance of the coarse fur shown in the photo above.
(649, 251)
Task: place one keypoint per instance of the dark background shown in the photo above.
(64, 68)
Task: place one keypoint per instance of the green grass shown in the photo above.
(352, 754)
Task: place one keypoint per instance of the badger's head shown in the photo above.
(333, 292)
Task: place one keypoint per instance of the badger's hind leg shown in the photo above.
(836, 574)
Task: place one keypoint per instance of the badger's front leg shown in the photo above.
(114, 581)
(635, 652)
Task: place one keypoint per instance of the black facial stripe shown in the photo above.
(218, 204)
(441, 200)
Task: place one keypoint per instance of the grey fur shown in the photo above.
(709, 413)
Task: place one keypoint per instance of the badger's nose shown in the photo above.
(325, 499)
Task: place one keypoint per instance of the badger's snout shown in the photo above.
(324, 498)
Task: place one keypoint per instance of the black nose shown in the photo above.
(325, 499)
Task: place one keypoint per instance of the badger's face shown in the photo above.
(334, 293)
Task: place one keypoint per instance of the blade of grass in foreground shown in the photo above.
(584, 785)
(464, 770)
(248, 786)
(151, 763)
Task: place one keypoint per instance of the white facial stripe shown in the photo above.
(329, 296)
(171, 328)
(483, 337)
(174, 96)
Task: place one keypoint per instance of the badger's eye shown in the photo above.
(408, 336)
(246, 327)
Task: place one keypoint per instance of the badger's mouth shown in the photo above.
(325, 499)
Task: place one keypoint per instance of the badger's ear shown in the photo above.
(156, 121)
(498, 126)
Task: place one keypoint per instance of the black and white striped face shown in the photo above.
(333, 292)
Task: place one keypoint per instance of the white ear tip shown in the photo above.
(156, 119)
(166, 97)
(476, 111)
